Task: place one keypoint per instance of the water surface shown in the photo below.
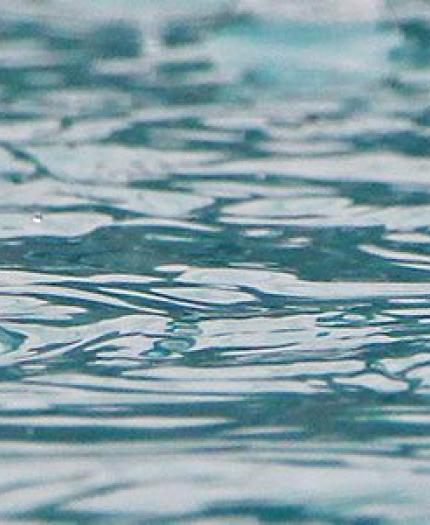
(215, 256)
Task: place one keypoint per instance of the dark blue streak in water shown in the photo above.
(215, 257)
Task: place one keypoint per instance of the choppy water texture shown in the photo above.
(215, 257)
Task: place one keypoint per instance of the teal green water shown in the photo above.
(215, 257)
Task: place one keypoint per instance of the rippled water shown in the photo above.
(215, 256)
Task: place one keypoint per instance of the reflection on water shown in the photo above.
(214, 228)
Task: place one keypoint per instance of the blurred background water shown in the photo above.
(215, 257)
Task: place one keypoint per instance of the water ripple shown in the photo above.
(214, 227)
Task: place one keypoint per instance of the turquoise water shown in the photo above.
(215, 257)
